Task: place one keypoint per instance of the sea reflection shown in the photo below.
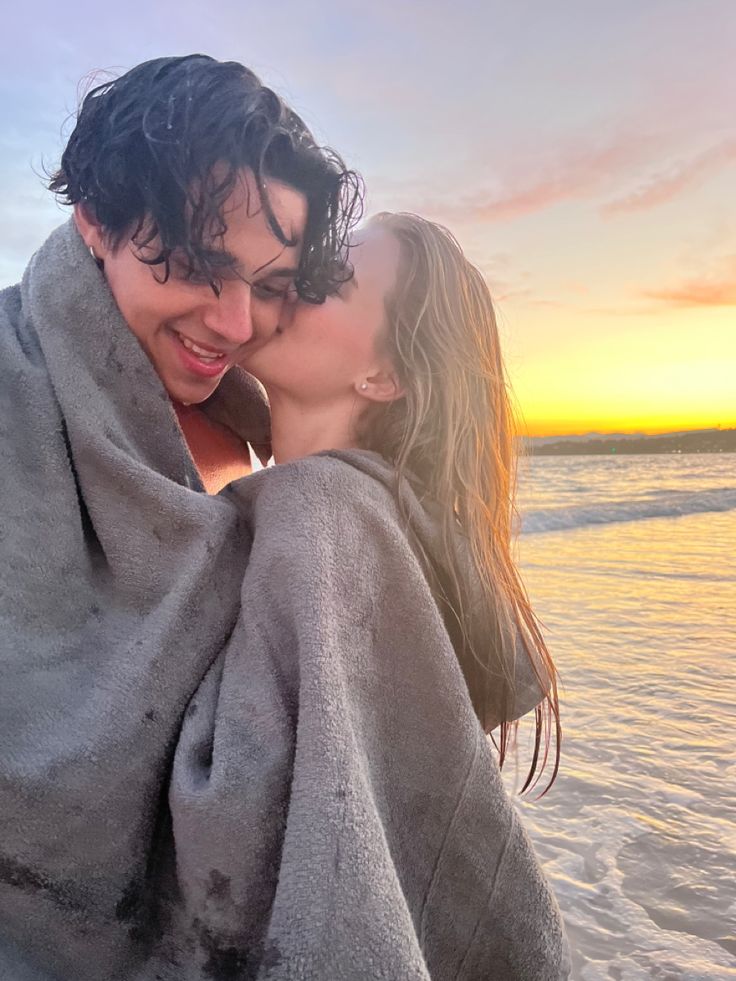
(639, 832)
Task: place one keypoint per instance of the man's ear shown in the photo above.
(91, 232)
(381, 385)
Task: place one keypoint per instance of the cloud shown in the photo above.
(538, 181)
(532, 180)
(664, 187)
(717, 289)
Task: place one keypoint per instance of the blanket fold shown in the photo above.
(119, 584)
(337, 809)
(235, 741)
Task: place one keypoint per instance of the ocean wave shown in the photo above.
(669, 504)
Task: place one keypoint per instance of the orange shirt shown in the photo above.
(219, 455)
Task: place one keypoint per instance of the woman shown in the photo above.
(405, 360)
(337, 809)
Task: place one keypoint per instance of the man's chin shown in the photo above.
(192, 393)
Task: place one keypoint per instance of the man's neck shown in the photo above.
(300, 429)
(219, 455)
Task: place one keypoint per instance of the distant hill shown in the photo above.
(597, 444)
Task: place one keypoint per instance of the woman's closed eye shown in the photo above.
(272, 291)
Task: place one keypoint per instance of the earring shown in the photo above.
(364, 386)
(92, 253)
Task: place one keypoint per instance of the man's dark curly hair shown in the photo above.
(143, 154)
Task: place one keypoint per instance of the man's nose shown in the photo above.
(229, 314)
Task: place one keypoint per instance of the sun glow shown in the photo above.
(660, 373)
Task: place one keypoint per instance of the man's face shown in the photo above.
(192, 336)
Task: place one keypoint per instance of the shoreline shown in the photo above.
(703, 441)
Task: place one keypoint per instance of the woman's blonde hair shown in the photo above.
(452, 436)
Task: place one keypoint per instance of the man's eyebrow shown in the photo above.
(223, 258)
(283, 272)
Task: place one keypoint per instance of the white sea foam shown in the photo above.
(638, 835)
(670, 504)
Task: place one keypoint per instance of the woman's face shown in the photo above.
(324, 353)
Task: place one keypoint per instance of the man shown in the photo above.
(200, 201)
(189, 173)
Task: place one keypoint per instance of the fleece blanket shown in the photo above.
(336, 808)
(119, 583)
(235, 740)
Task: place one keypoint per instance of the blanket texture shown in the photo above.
(119, 583)
(235, 740)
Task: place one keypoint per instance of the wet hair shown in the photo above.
(155, 154)
(451, 436)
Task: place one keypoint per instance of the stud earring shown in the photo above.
(364, 386)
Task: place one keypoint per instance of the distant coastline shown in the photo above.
(597, 444)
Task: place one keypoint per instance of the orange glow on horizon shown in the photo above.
(572, 374)
(606, 427)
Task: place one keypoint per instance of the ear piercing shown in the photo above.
(364, 386)
(92, 253)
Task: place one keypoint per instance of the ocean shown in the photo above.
(630, 562)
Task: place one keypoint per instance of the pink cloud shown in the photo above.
(580, 174)
(665, 186)
(715, 290)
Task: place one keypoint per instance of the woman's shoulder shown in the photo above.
(317, 518)
(342, 471)
(327, 487)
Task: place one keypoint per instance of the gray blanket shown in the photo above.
(235, 741)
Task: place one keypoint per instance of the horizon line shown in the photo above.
(609, 433)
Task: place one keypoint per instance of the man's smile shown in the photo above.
(205, 352)
(199, 358)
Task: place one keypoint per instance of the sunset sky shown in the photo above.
(584, 153)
